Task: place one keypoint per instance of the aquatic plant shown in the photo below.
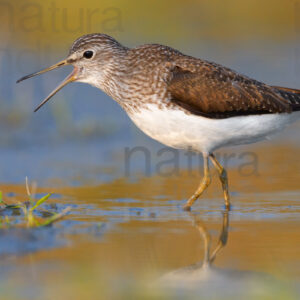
(30, 211)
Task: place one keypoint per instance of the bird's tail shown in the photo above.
(291, 95)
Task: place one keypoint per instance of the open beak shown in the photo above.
(68, 79)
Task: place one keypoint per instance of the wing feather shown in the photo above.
(218, 92)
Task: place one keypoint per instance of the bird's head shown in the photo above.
(92, 56)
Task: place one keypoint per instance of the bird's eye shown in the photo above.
(88, 54)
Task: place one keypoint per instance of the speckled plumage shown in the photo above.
(182, 101)
(157, 73)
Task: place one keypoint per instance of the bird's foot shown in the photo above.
(187, 207)
(227, 206)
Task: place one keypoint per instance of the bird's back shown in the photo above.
(203, 87)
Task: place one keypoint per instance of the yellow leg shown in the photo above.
(223, 237)
(202, 187)
(223, 178)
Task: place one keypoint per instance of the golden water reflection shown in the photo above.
(122, 236)
(205, 280)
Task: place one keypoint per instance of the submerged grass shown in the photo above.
(30, 211)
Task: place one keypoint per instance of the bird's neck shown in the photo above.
(110, 78)
(129, 76)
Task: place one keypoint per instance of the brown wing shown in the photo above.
(292, 95)
(218, 92)
(285, 89)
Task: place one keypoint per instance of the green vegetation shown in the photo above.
(28, 210)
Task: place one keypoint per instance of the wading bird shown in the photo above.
(181, 101)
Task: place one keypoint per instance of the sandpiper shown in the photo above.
(181, 101)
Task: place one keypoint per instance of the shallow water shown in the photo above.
(122, 236)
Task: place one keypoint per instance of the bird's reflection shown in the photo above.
(206, 277)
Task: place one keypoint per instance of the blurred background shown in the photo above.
(80, 136)
(126, 220)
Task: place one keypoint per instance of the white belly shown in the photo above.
(177, 129)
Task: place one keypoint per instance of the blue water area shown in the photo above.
(21, 240)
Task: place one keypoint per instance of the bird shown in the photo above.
(181, 101)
